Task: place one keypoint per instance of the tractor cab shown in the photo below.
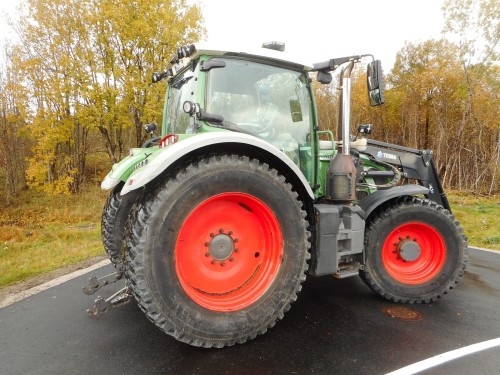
(257, 94)
(264, 93)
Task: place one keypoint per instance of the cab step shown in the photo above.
(349, 271)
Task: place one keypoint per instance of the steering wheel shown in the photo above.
(264, 123)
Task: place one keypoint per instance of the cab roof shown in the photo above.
(263, 54)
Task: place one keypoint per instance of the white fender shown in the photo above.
(169, 155)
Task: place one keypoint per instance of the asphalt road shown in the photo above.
(334, 327)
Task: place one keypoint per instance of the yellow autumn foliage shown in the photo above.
(86, 65)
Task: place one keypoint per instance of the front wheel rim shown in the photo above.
(229, 251)
(414, 253)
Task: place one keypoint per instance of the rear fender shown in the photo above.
(167, 157)
(372, 201)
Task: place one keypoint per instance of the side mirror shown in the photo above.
(324, 77)
(375, 83)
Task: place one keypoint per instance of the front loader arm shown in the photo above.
(414, 164)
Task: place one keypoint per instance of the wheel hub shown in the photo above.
(221, 247)
(414, 253)
(408, 250)
(228, 251)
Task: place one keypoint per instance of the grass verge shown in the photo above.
(40, 233)
(480, 217)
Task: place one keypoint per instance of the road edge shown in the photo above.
(483, 249)
(13, 298)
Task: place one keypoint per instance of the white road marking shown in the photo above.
(483, 249)
(49, 284)
(446, 357)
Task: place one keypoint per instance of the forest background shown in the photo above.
(75, 92)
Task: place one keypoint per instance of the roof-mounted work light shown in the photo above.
(276, 46)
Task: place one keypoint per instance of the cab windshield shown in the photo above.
(269, 102)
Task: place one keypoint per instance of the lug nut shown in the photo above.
(235, 240)
(236, 250)
(207, 244)
(231, 259)
(230, 232)
(221, 230)
(207, 254)
(222, 263)
(212, 235)
(213, 261)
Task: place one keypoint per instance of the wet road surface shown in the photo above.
(336, 326)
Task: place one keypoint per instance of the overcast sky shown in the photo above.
(320, 30)
(315, 30)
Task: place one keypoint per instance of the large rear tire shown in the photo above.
(217, 254)
(415, 251)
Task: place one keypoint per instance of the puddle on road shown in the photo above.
(402, 313)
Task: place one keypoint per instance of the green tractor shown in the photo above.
(216, 223)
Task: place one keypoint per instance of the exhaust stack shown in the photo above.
(341, 181)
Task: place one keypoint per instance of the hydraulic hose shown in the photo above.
(396, 179)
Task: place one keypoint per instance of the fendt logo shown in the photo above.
(385, 155)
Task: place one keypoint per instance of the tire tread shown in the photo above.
(135, 246)
(393, 209)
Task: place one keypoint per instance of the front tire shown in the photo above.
(217, 254)
(415, 251)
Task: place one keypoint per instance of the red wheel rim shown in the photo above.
(228, 251)
(414, 253)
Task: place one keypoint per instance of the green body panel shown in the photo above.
(369, 165)
(140, 156)
(124, 168)
(324, 162)
(324, 157)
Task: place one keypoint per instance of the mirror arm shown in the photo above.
(369, 55)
